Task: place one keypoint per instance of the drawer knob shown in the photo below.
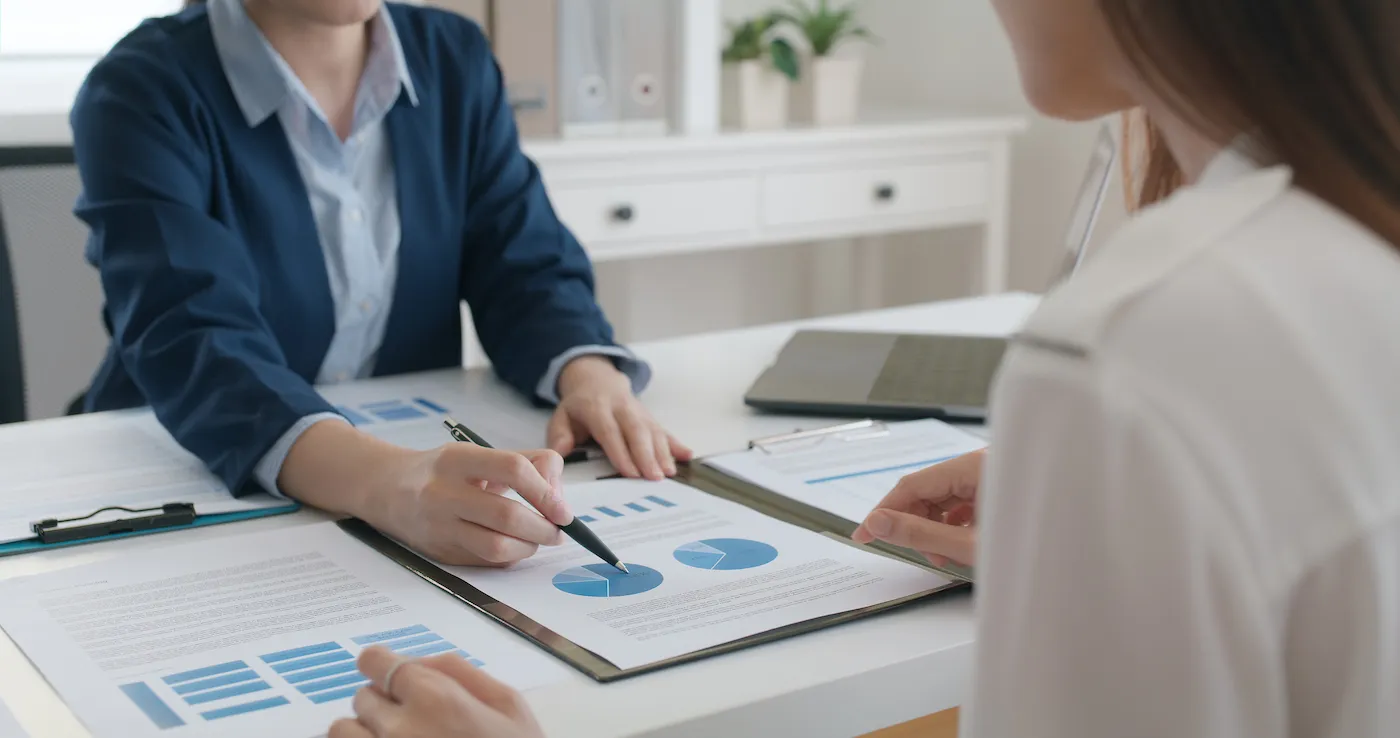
(885, 192)
(623, 213)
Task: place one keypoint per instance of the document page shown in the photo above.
(704, 571)
(409, 414)
(251, 635)
(848, 474)
(67, 470)
(9, 727)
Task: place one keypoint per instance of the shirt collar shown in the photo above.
(261, 80)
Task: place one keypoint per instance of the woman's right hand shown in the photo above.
(932, 511)
(448, 503)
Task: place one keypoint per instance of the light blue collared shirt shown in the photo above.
(354, 201)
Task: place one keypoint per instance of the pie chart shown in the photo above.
(602, 580)
(726, 554)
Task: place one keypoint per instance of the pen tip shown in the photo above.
(623, 567)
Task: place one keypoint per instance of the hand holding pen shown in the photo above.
(568, 523)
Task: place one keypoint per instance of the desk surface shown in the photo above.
(840, 682)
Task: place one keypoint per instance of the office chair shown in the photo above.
(51, 333)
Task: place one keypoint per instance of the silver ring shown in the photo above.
(389, 678)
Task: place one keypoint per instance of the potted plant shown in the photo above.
(830, 93)
(759, 67)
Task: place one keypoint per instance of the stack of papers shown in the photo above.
(848, 474)
(9, 727)
(252, 635)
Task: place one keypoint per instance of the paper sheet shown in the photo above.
(409, 414)
(849, 475)
(63, 470)
(705, 571)
(9, 727)
(251, 635)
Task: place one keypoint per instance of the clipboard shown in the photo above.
(710, 481)
(55, 533)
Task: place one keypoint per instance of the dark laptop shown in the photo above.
(887, 375)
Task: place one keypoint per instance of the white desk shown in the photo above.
(839, 682)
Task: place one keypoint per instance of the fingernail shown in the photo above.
(879, 524)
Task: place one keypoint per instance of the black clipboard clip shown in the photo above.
(172, 515)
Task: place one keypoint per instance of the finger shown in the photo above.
(478, 682)
(376, 711)
(609, 436)
(348, 728)
(490, 546)
(550, 465)
(920, 534)
(662, 445)
(679, 450)
(506, 516)
(559, 435)
(640, 444)
(464, 461)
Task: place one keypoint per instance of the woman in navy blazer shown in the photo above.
(290, 192)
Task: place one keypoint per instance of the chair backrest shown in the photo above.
(51, 305)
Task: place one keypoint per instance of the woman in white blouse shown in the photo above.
(1190, 516)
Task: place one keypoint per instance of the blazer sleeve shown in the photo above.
(526, 278)
(181, 288)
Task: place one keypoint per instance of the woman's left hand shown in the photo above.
(437, 697)
(596, 403)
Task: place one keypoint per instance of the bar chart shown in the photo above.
(391, 411)
(318, 673)
(644, 505)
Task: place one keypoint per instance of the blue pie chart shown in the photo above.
(726, 554)
(601, 580)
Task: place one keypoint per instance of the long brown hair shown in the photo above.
(1314, 83)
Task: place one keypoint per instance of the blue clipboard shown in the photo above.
(30, 545)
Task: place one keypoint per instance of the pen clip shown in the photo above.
(789, 442)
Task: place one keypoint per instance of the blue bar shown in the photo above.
(459, 653)
(608, 511)
(382, 404)
(338, 694)
(242, 709)
(306, 676)
(439, 409)
(660, 501)
(297, 653)
(478, 663)
(588, 518)
(390, 635)
(400, 413)
(306, 663)
(146, 699)
(218, 681)
(207, 671)
(637, 507)
(223, 694)
(326, 684)
(436, 648)
(869, 472)
(417, 640)
(354, 417)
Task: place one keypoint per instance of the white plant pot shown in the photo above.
(755, 96)
(829, 91)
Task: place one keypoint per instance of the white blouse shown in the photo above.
(1191, 516)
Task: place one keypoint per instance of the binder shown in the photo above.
(710, 481)
(54, 533)
(646, 69)
(588, 38)
(524, 35)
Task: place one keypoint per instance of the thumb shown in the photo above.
(559, 436)
(956, 542)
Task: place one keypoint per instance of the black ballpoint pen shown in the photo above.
(576, 530)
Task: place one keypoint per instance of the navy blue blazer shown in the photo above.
(217, 299)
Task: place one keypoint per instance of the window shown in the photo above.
(71, 28)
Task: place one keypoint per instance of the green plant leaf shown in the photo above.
(785, 59)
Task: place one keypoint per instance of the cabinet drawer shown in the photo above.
(885, 189)
(623, 212)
